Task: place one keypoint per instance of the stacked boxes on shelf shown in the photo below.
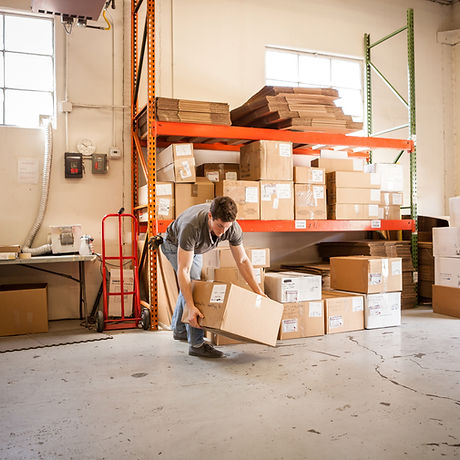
(310, 193)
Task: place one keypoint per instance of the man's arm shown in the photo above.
(245, 267)
(184, 263)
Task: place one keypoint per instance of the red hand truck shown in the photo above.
(138, 318)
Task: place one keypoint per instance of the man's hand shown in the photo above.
(193, 314)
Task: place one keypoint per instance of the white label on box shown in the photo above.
(289, 325)
(291, 295)
(357, 304)
(375, 195)
(258, 301)
(164, 189)
(185, 171)
(213, 176)
(358, 164)
(375, 304)
(386, 198)
(252, 195)
(218, 293)
(373, 210)
(258, 257)
(315, 310)
(318, 192)
(317, 175)
(375, 278)
(183, 150)
(285, 150)
(376, 224)
(397, 199)
(231, 175)
(267, 191)
(276, 203)
(256, 272)
(283, 191)
(375, 178)
(335, 321)
(396, 267)
(300, 224)
(163, 206)
(385, 268)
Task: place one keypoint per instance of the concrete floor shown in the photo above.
(381, 394)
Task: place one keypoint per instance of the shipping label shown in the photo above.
(258, 257)
(317, 175)
(267, 191)
(183, 150)
(285, 150)
(163, 189)
(283, 191)
(315, 310)
(318, 192)
(252, 194)
(163, 206)
(357, 304)
(375, 279)
(213, 176)
(335, 321)
(289, 325)
(218, 293)
(231, 175)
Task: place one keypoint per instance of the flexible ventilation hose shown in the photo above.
(48, 154)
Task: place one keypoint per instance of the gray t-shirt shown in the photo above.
(190, 231)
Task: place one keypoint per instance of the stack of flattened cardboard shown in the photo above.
(425, 270)
(300, 109)
(352, 248)
(324, 270)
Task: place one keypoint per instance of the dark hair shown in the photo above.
(223, 208)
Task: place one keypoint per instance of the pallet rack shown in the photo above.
(218, 137)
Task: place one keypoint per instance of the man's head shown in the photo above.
(222, 214)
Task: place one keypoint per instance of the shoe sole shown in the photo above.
(205, 356)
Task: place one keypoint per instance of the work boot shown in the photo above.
(205, 351)
(180, 336)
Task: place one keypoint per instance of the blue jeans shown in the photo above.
(195, 336)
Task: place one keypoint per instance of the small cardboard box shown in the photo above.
(114, 307)
(446, 241)
(276, 200)
(232, 275)
(176, 163)
(308, 175)
(392, 212)
(164, 200)
(391, 198)
(352, 211)
(268, 160)
(222, 257)
(447, 271)
(289, 287)
(353, 195)
(236, 312)
(245, 194)
(310, 201)
(352, 179)
(382, 310)
(190, 194)
(302, 319)
(23, 309)
(446, 300)
(343, 312)
(366, 274)
(339, 164)
(216, 172)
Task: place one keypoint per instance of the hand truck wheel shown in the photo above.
(145, 317)
(99, 321)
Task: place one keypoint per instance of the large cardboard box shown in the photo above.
(447, 271)
(288, 287)
(353, 195)
(269, 160)
(216, 172)
(114, 307)
(446, 241)
(352, 179)
(190, 194)
(366, 274)
(23, 309)
(343, 312)
(276, 200)
(232, 275)
(176, 163)
(382, 310)
(310, 201)
(339, 164)
(389, 212)
(352, 211)
(245, 194)
(222, 257)
(308, 175)
(302, 319)
(236, 312)
(446, 300)
(164, 200)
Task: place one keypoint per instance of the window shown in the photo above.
(309, 69)
(26, 69)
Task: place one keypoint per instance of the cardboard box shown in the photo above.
(302, 319)
(114, 308)
(23, 309)
(268, 160)
(353, 195)
(352, 179)
(276, 200)
(245, 194)
(446, 301)
(343, 312)
(391, 198)
(382, 310)
(310, 201)
(176, 163)
(217, 339)
(236, 312)
(446, 241)
(232, 275)
(308, 175)
(222, 257)
(339, 164)
(366, 274)
(391, 176)
(190, 194)
(389, 212)
(216, 172)
(352, 211)
(164, 201)
(289, 287)
(447, 271)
